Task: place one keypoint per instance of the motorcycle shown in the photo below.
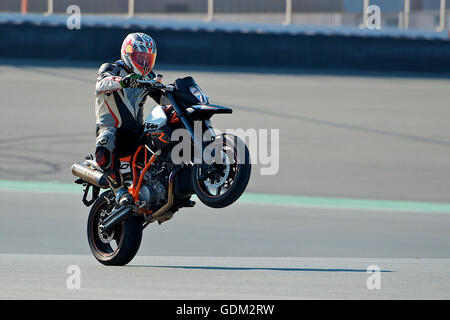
(160, 184)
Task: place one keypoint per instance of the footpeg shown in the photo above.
(190, 204)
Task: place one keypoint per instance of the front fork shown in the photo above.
(197, 137)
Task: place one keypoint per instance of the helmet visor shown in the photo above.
(144, 60)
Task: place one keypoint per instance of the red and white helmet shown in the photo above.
(139, 53)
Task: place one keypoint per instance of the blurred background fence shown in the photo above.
(296, 34)
(403, 14)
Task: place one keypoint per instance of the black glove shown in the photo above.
(130, 81)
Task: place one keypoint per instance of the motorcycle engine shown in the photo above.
(154, 191)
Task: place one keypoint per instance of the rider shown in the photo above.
(119, 101)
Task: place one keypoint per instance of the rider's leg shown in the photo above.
(106, 156)
(123, 197)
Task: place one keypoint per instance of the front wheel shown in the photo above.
(223, 181)
(119, 246)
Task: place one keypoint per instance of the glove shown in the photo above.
(130, 81)
(159, 78)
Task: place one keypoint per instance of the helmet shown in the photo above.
(139, 53)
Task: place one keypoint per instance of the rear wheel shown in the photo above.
(118, 247)
(221, 183)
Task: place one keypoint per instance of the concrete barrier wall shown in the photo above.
(320, 52)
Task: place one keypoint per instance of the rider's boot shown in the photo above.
(123, 197)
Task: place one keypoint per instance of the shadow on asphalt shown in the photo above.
(253, 268)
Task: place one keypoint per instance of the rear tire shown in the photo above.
(127, 237)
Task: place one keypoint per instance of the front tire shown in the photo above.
(219, 185)
(121, 245)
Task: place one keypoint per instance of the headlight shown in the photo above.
(198, 93)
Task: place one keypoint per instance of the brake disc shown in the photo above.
(226, 171)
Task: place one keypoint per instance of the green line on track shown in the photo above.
(346, 203)
(259, 198)
(37, 186)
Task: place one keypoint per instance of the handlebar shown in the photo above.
(153, 84)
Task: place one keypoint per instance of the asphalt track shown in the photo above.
(342, 137)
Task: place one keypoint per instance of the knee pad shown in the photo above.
(103, 157)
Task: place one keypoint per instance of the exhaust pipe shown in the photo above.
(90, 175)
(114, 218)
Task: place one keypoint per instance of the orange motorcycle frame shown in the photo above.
(138, 172)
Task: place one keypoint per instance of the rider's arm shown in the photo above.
(108, 84)
(107, 80)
